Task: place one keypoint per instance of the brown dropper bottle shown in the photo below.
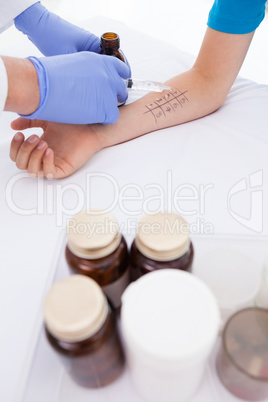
(110, 45)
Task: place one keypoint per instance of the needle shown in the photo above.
(145, 85)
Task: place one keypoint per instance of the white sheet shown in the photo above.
(220, 162)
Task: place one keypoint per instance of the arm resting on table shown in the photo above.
(195, 93)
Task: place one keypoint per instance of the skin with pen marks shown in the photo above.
(168, 103)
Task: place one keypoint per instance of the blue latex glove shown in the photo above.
(52, 35)
(80, 88)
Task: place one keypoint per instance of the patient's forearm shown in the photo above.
(195, 93)
(191, 97)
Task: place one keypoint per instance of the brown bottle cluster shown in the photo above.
(80, 320)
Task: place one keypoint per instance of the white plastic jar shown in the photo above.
(170, 321)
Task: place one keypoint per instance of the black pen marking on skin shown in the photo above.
(175, 95)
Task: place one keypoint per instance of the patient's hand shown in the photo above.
(59, 152)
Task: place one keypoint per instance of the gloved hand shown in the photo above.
(52, 35)
(80, 88)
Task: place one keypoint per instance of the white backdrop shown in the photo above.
(164, 20)
(225, 150)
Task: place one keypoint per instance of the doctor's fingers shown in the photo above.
(121, 70)
(122, 93)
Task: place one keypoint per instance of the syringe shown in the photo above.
(145, 85)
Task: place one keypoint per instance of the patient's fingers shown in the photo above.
(15, 145)
(49, 168)
(22, 124)
(25, 151)
(35, 160)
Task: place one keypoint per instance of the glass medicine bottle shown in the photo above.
(97, 249)
(110, 45)
(162, 241)
(81, 327)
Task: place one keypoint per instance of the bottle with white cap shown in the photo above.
(81, 328)
(162, 241)
(97, 249)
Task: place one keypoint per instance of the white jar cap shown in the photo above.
(75, 308)
(169, 317)
(163, 236)
(93, 234)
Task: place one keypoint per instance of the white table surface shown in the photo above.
(212, 160)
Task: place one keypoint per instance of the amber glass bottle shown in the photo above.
(96, 249)
(162, 241)
(81, 328)
(110, 45)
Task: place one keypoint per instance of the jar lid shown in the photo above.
(245, 342)
(93, 234)
(163, 236)
(170, 317)
(75, 308)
